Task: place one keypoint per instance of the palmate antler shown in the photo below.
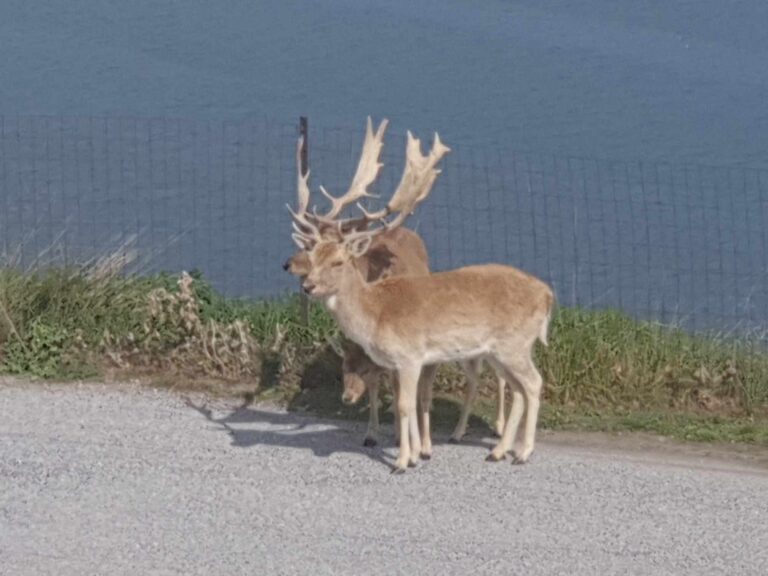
(367, 171)
(415, 185)
(309, 227)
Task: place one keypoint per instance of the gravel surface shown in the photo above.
(128, 480)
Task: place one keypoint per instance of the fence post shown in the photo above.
(304, 133)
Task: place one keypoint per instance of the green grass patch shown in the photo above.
(679, 425)
(602, 370)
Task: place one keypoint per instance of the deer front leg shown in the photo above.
(395, 395)
(410, 442)
(372, 434)
(425, 407)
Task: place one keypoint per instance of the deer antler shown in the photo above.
(305, 232)
(367, 172)
(416, 183)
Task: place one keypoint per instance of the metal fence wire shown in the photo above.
(681, 244)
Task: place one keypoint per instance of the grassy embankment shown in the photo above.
(603, 370)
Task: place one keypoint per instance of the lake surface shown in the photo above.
(527, 94)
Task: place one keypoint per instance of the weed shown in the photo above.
(602, 369)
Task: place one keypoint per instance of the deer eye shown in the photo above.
(336, 264)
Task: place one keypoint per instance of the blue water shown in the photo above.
(659, 79)
(174, 122)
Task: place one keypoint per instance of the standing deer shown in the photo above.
(399, 252)
(492, 312)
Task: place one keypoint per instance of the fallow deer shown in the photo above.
(492, 312)
(399, 252)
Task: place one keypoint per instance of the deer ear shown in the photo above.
(358, 246)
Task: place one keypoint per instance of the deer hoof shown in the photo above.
(453, 440)
(493, 457)
(370, 442)
(521, 454)
(520, 459)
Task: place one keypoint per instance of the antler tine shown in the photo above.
(372, 216)
(367, 172)
(306, 233)
(302, 225)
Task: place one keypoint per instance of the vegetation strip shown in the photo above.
(602, 371)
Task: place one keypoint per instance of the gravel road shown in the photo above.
(128, 480)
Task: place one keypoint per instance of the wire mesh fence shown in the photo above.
(681, 244)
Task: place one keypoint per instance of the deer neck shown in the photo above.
(352, 307)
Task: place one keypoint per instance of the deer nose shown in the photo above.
(287, 265)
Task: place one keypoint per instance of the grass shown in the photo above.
(603, 370)
(679, 425)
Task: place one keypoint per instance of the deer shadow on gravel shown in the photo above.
(247, 427)
(317, 420)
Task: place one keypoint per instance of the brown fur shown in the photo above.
(409, 323)
(491, 311)
(468, 292)
(400, 252)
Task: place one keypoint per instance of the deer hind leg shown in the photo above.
(533, 384)
(513, 422)
(526, 382)
(471, 370)
(425, 407)
(500, 407)
(410, 442)
(518, 446)
(372, 434)
(498, 428)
